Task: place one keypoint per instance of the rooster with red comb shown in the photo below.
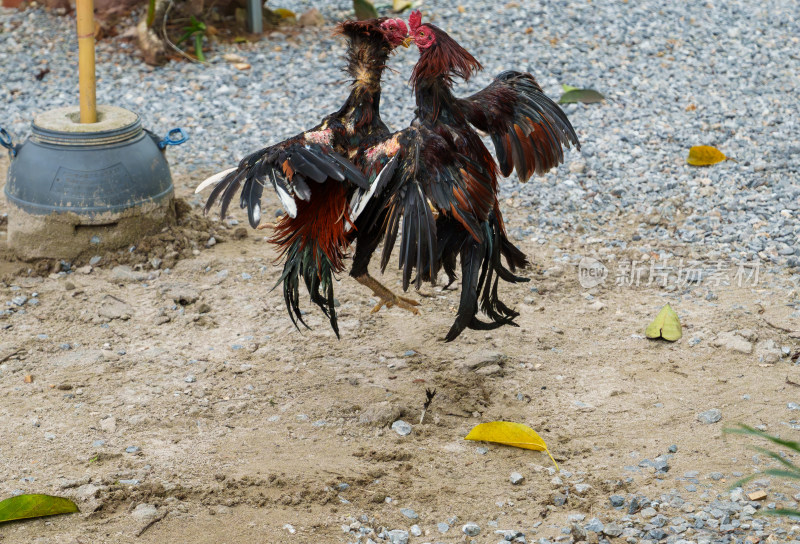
(444, 180)
(321, 189)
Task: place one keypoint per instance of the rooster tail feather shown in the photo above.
(316, 271)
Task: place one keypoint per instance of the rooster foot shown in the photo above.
(386, 296)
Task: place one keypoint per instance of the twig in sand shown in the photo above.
(428, 400)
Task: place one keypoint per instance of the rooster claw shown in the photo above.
(400, 302)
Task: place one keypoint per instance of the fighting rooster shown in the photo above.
(444, 181)
(322, 192)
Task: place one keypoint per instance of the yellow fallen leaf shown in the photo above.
(705, 155)
(398, 6)
(666, 325)
(284, 13)
(510, 434)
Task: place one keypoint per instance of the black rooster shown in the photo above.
(322, 192)
(443, 180)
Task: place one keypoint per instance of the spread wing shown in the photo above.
(427, 174)
(529, 131)
(292, 167)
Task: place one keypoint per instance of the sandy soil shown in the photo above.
(244, 424)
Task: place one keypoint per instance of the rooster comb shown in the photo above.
(415, 20)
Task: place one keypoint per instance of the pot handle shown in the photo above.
(176, 136)
(5, 141)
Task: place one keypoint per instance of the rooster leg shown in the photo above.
(386, 297)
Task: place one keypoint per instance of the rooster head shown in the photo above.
(396, 32)
(422, 35)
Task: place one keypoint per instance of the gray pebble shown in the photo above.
(594, 525)
(409, 513)
(709, 416)
(516, 478)
(401, 427)
(471, 529)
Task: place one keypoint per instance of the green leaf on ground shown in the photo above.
(34, 506)
(364, 10)
(585, 96)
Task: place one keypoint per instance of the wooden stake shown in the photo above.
(85, 12)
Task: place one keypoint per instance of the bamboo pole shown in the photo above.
(85, 12)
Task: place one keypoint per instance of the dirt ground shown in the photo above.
(185, 407)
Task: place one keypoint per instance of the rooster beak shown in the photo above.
(408, 41)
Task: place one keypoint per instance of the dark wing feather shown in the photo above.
(529, 131)
(431, 173)
(287, 165)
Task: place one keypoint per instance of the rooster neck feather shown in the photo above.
(367, 54)
(443, 61)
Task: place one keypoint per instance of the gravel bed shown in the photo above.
(724, 75)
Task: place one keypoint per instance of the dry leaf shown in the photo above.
(462, 9)
(705, 155)
(666, 325)
(28, 378)
(241, 66)
(398, 6)
(510, 434)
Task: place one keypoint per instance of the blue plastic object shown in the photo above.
(176, 136)
(5, 141)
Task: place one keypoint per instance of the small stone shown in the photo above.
(49, 436)
(191, 378)
(516, 478)
(398, 536)
(759, 495)
(415, 530)
(129, 482)
(471, 529)
(578, 533)
(211, 242)
(482, 450)
(132, 449)
(94, 260)
(733, 341)
(672, 449)
(613, 530)
(594, 525)
(716, 476)
(311, 17)
(108, 425)
(19, 300)
(380, 414)
(289, 527)
(144, 511)
(582, 489)
(649, 512)
(559, 499)
(617, 501)
(577, 167)
(401, 427)
(409, 513)
(442, 527)
(709, 416)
